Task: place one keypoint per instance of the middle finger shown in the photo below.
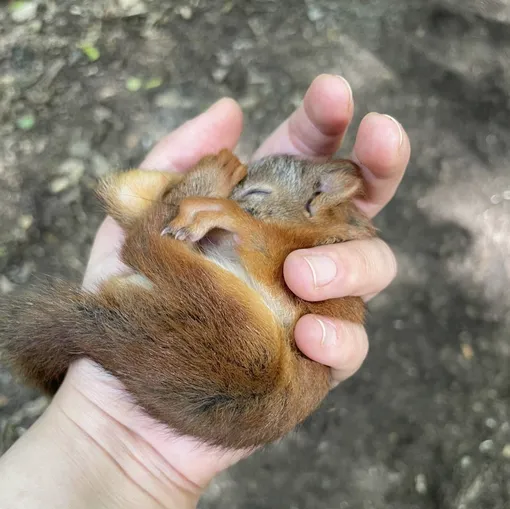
(357, 268)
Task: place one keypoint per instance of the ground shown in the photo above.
(90, 86)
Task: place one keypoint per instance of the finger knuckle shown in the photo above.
(365, 262)
(362, 347)
(355, 347)
(389, 260)
(376, 261)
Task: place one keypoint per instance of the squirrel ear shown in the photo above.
(128, 195)
(343, 181)
(339, 182)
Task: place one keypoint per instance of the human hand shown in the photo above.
(358, 268)
(361, 268)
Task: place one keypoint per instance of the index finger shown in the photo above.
(218, 127)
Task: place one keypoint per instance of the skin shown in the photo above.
(104, 451)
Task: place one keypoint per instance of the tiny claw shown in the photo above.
(182, 234)
(167, 231)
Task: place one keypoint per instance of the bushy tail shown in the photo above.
(41, 333)
(222, 373)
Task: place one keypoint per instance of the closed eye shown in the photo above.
(255, 192)
(308, 205)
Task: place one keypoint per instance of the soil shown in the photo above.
(90, 86)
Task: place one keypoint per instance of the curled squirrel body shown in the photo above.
(200, 328)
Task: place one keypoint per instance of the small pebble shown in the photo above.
(491, 423)
(465, 462)
(132, 140)
(73, 169)
(79, 149)
(467, 351)
(315, 13)
(106, 93)
(22, 12)
(59, 184)
(5, 285)
(25, 221)
(172, 99)
(100, 165)
(186, 12)
(420, 484)
(486, 446)
(219, 74)
(35, 26)
(101, 114)
(132, 7)
(506, 451)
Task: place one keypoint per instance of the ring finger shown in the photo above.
(343, 346)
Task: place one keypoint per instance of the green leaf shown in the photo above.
(134, 84)
(26, 122)
(153, 83)
(16, 6)
(90, 51)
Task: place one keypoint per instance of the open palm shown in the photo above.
(361, 268)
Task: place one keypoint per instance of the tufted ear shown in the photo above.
(339, 182)
(128, 195)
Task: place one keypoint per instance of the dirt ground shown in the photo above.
(90, 86)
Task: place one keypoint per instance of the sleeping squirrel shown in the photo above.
(200, 329)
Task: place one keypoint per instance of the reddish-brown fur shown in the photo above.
(200, 348)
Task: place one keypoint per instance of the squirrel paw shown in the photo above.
(181, 233)
(199, 216)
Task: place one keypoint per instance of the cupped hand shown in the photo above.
(361, 268)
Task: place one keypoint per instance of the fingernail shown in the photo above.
(326, 332)
(400, 130)
(347, 84)
(323, 269)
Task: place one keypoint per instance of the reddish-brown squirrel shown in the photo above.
(201, 329)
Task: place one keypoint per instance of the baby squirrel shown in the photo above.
(200, 330)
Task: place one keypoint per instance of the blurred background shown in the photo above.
(89, 87)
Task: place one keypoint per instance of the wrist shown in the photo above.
(188, 464)
(77, 456)
(131, 462)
